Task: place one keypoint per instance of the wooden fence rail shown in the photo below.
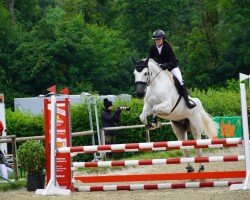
(13, 140)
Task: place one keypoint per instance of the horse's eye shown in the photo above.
(145, 74)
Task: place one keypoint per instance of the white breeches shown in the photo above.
(4, 171)
(177, 73)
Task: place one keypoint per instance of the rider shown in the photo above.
(163, 54)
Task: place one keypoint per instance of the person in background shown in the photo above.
(110, 118)
(1, 128)
(5, 168)
(162, 53)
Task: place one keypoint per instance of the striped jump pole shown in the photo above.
(204, 143)
(167, 161)
(213, 146)
(157, 186)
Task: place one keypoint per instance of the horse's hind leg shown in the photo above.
(181, 134)
(197, 136)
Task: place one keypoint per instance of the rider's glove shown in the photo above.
(164, 66)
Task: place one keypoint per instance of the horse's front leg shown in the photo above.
(147, 110)
(164, 107)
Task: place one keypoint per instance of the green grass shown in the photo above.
(15, 185)
(5, 186)
(156, 155)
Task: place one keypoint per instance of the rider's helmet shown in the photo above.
(158, 34)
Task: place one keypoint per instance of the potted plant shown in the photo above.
(31, 157)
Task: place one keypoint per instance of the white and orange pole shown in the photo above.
(53, 188)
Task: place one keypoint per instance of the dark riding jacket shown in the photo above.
(166, 57)
(110, 119)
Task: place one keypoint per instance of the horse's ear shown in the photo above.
(146, 61)
(134, 61)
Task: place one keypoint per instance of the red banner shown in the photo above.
(63, 139)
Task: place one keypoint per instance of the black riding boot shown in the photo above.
(190, 104)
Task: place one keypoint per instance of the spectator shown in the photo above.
(110, 119)
(1, 128)
(5, 168)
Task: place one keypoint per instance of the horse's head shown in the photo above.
(141, 73)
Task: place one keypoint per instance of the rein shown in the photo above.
(148, 78)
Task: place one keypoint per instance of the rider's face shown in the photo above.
(159, 41)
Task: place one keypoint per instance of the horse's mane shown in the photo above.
(170, 75)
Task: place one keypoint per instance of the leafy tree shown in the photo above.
(87, 44)
(232, 33)
(9, 39)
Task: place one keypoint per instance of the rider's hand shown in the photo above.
(164, 66)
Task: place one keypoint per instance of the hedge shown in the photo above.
(221, 102)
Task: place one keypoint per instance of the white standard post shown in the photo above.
(53, 188)
(246, 184)
(97, 122)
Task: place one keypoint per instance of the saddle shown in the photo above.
(175, 81)
(177, 85)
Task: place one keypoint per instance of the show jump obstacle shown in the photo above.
(60, 151)
(56, 110)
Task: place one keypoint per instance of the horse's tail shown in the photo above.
(209, 126)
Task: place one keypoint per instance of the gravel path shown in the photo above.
(187, 194)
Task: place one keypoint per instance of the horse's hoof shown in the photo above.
(159, 125)
(190, 169)
(202, 168)
(154, 126)
(150, 127)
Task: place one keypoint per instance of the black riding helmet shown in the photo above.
(158, 34)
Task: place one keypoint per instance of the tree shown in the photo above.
(87, 44)
(9, 39)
